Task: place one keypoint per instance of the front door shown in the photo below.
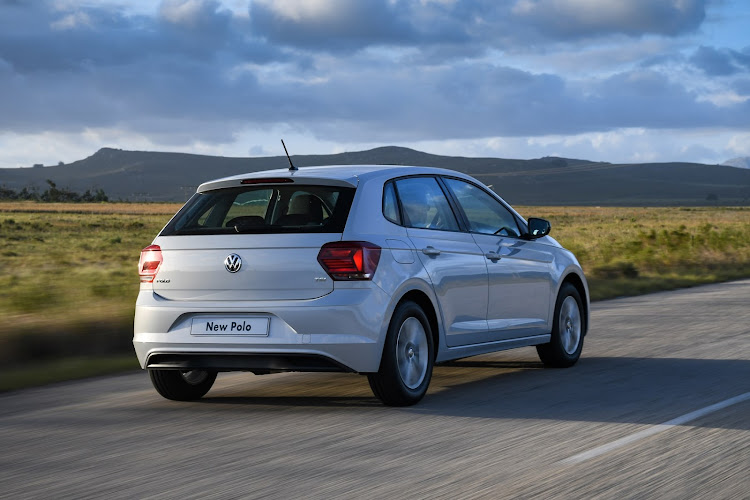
(520, 286)
(520, 272)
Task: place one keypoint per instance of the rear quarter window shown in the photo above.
(390, 204)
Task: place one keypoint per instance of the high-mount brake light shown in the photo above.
(271, 180)
(349, 260)
(148, 266)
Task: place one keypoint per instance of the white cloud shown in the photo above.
(309, 10)
(185, 12)
(581, 18)
(725, 99)
(71, 21)
(427, 2)
(739, 144)
(632, 145)
(602, 58)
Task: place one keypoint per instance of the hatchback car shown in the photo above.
(378, 270)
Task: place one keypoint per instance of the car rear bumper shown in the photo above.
(342, 331)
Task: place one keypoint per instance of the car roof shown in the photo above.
(339, 174)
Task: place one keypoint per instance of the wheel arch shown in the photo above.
(423, 300)
(580, 285)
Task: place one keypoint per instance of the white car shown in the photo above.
(379, 270)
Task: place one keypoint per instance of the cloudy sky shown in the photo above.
(610, 80)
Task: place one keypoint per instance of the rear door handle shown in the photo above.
(493, 256)
(431, 251)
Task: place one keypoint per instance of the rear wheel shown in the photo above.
(568, 327)
(408, 355)
(182, 385)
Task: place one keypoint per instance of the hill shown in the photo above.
(741, 162)
(156, 176)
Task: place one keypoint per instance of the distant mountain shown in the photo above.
(741, 162)
(153, 176)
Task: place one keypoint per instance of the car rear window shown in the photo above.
(264, 209)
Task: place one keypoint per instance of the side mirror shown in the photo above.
(538, 228)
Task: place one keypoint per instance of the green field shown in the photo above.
(69, 280)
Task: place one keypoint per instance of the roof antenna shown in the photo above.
(292, 168)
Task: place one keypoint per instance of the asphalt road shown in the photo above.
(496, 426)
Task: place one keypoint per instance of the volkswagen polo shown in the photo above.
(378, 270)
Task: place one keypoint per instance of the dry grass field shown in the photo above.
(630, 251)
(90, 208)
(68, 277)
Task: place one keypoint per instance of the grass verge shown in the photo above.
(47, 372)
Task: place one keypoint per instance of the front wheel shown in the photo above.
(408, 356)
(182, 385)
(566, 342)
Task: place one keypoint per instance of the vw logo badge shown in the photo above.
(233, 263)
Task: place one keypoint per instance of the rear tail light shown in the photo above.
(349, 260)
(150, 263)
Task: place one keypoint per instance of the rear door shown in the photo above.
(451, 258)
(258, 242)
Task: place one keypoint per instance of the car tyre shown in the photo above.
(408, 357)
(182, 385)
(568, 328)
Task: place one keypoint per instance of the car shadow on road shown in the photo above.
(322, 390)
(503, 365)
(337, 390)
(597, 389)
(293, 401)
(496, 386)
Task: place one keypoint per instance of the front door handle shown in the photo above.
(494, 257)
(431, 251)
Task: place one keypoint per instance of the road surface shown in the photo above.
(620, 424)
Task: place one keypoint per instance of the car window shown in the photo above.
(390, 204)
(425, 205)
(485, 214)
(264, 209)
(249, 203)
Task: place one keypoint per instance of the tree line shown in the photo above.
(53, 194)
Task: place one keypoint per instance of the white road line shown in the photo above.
(688, 417)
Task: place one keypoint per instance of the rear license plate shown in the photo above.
(257, 327)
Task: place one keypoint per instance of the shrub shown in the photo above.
(53, 194)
